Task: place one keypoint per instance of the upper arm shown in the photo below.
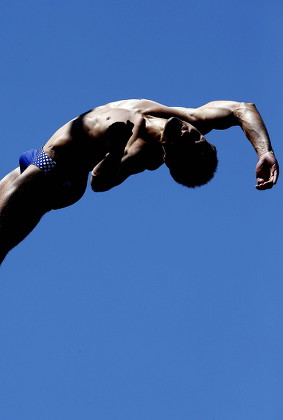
(214, 115)
(218, 115)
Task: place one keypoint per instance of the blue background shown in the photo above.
(150, 301)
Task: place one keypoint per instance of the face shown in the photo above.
(202, 147)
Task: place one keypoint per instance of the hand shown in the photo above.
(117, 136)
(120, 130)
(267, 171)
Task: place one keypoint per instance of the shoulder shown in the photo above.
(138, 105)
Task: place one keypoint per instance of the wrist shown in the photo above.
(264, 153)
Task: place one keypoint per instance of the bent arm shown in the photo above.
(120, 162)
(111, 172)
(221, 115)
(218, 115)
(225, 114)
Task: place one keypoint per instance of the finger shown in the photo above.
(264, 186)
(275, 176)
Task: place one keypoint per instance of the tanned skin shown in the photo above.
(112, 142)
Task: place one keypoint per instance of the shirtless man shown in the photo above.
(115, 141)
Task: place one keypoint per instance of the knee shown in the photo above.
(66, 195)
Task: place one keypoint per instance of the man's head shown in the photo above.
(191, 164)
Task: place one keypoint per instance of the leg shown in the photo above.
(24, 199)
(8, 180)
(67, 193)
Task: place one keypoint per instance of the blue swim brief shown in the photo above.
(38, 158)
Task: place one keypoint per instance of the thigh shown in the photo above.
(53, 190)
(69, 191)
(8, 180)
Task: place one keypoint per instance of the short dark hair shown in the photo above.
(192, 165)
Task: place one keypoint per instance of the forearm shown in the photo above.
(254, 128)
(267, 168)
(113, 170)
(105, 175)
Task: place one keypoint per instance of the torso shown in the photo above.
(81, 137)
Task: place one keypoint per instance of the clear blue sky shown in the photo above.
(150, 301)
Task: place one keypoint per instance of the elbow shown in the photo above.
(242, 109)
(249, 106)
(243, 106)
(98, 185)
(101, 189)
